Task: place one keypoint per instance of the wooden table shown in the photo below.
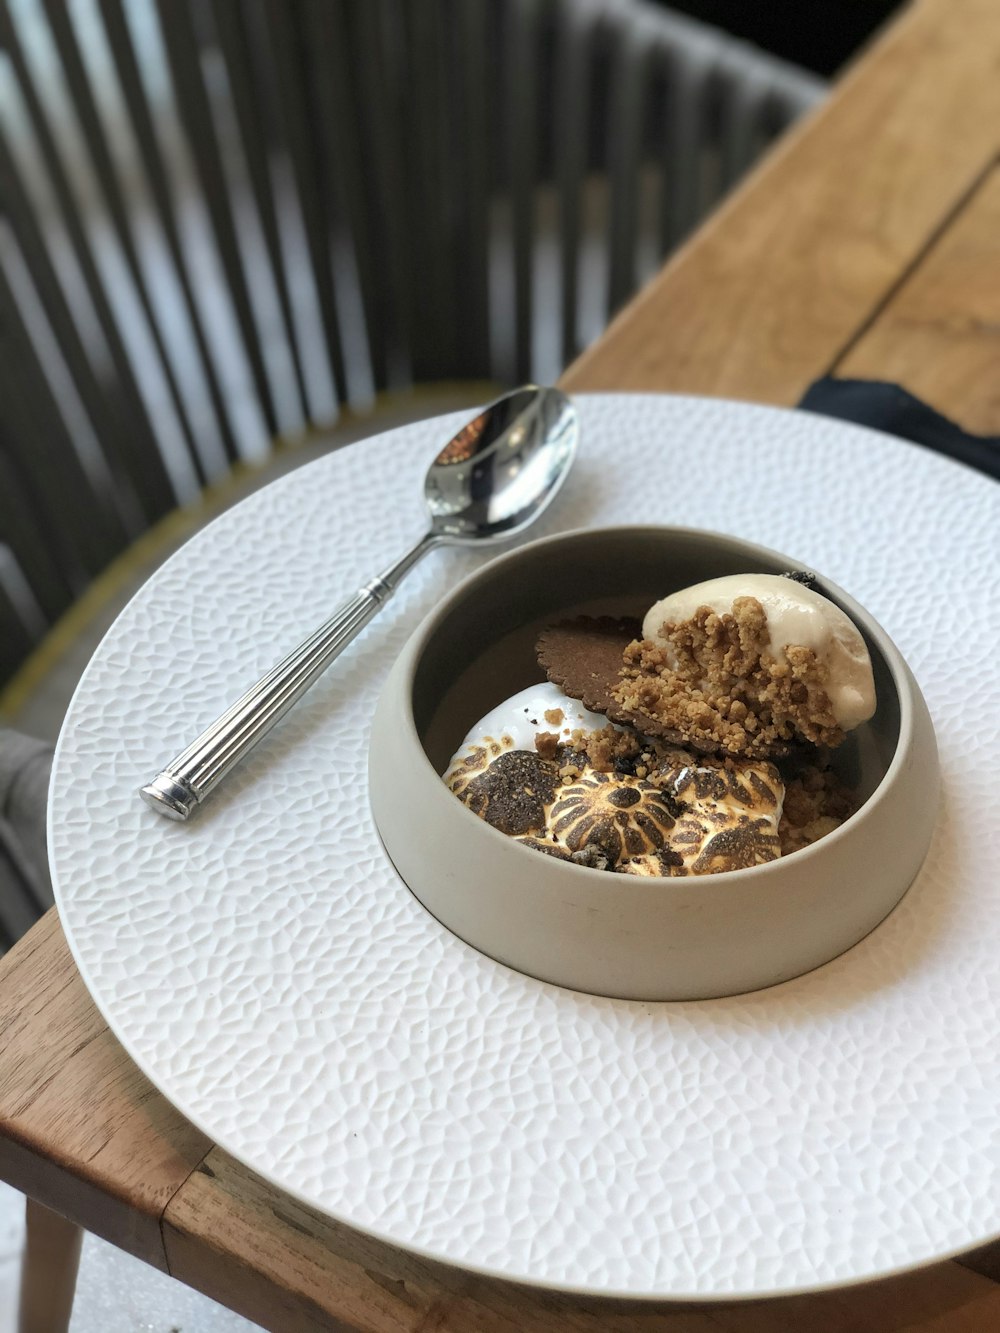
(867, 245)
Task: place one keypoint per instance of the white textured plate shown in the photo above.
(273, 977)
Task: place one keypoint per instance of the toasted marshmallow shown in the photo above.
(687, 817)
(514, 724)
(795, 615)
(732, 814)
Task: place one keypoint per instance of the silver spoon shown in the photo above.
(486, 485)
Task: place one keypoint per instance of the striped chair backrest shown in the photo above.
(223, 220)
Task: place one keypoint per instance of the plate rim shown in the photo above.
(629, 1295)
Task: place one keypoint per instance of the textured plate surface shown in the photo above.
(274, 978)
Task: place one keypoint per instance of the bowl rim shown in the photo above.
(899, 672)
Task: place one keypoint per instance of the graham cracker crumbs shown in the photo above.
(714, 683)
(606, 749)
(547, 743)
(554, 716)
(816, 803)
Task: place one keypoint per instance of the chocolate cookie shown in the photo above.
(584, 657)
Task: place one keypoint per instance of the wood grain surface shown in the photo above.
(776, 285)
(81, 1129)
(48, 1270)
(293, 1270)
(939, 334)
(867, 244)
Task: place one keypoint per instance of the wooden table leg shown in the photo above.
(48, 1271)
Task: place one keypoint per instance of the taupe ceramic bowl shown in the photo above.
(615, 935)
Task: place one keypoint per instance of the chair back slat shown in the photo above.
(518, 105)
(193, 105)
(628, 77)
(284, 46)
(32, 338)
(252, 99)
(222, 220)
(75, 515)
(152, 482)
(36, 582)
(571, 112)
(684, 135)
(140, 121)
(141, 486)
(382, 111)
(108, 288)
(121, 224)
(332, 80)
(739, 104)
(431, 184)
(472, 89)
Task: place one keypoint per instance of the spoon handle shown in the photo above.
(196, 771)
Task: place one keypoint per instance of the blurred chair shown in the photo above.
(228, 224)
(25, 891)
(223, 223)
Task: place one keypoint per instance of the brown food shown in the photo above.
(547, 744)
(673, 813)
(620, 820)
(512, 793)
(718, 685)
(686, 787)
(608, 748)
(714, 690)
(584, 657)
(816, 802)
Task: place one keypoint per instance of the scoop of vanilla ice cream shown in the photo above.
(795, 615)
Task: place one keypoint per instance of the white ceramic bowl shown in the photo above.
(615, 935)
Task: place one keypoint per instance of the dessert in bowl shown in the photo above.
(752, 833)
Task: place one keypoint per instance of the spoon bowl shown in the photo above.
(503, 468)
